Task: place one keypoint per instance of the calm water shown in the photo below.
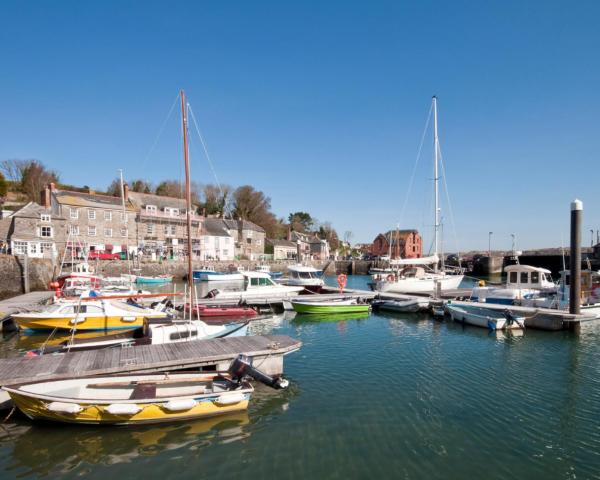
(387, 396)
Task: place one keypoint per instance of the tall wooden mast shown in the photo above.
(188, 194)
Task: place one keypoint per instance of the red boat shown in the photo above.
(206, 311)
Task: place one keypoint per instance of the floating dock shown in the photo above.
(267, 351)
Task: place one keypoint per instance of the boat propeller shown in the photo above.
(242, 366)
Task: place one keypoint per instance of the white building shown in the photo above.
(216, 243)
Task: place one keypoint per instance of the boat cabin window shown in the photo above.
(524, 277)
(535, 277)
(186, 334)
(294, 274)
(548, 278)
(305, 275)
(513, 277)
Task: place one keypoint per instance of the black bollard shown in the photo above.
(575, 257)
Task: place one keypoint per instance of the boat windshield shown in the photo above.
(306, 275)
(54, 308)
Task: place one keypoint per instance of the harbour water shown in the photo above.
(384, 396)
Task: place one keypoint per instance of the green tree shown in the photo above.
(34, 178)
(255, 206)
(3, 187)
(301, 221)
(140, 186)
(216, 199)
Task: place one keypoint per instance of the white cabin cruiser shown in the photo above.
(304, 276)
(257, 285)
(523, 283)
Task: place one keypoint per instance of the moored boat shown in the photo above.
(304, 276)
(485, 317)
(257, 286)
(223, 311)
(131, 399)
(153, 280)
(412, 305)
(330, 306)
(88, 314)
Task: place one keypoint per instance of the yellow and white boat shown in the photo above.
(131, 399)
(86, 315)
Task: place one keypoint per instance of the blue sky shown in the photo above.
(321, 105)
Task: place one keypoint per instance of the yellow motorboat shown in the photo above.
(131, 399)
(86, 315)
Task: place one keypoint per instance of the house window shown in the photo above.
(124, 231)
(258, 241)
(108, 216)
(46, 232)
(151, 209)
(248, 241)
(91, 214)
(124, 217)
(170, 230)
(33, 248)
(250, 233)
(47, 247)
(91, 230)
(150, 229)
(225, 252)
(108, 232)
(173, 212)
(45, 217)
(74, 213)
(19, 248)
(74, 229)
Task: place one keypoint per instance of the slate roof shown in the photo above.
(215, 227)
(140, 200)
(245, 224)
(34, 210)
(282, 243)
(93, 200)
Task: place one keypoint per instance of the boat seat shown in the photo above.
(143, 390)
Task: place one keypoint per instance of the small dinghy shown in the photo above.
(154, 280)
(142, 398)
(403, 306)
(330, 306)
(223, 311)
(485, 317)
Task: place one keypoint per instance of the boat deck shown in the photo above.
(266, 350)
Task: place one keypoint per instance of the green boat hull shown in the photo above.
(331, 309)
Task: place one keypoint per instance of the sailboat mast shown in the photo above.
(436, 179)
(188, 194)
(126, 220)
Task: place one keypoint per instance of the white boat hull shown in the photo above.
(480, 319)
(420, 285)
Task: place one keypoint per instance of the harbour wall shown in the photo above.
(20, 276)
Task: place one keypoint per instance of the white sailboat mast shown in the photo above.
(436, 179)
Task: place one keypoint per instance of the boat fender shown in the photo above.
(230, 399)
(123, 409)
(180, 405)
(63, 407)
(390, 278)
(482, 283)
(212, 294)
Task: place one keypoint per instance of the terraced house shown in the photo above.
(249, 238)
(162, 225)
(94, 222)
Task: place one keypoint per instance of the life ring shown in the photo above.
(390, 278)
(341, 280)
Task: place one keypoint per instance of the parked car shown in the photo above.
(100, 255)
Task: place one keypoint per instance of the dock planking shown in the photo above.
(143, 358)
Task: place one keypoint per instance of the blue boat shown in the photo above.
(156, 280)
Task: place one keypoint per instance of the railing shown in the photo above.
(159, 214)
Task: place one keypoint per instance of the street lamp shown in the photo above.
(490, 244)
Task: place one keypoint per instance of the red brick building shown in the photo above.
(405, 244)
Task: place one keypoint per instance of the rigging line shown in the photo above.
(449, 204)
(160, 131)
(414, 170)
(210, 163)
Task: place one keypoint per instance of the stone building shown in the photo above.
(310, 246)
(33, 231)
(94, 222)
(249, 238)
(282, 249)
(162, 225)
(404, 244)
(216, 241)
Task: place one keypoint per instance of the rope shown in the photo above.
(449, 204)
(160, 131)
(210, 163)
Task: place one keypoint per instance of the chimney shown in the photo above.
(126, 192)
(52, 186)
(45, 197)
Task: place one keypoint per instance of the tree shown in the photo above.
(35, 176)
(170, 188)
(254, 206)
(140, 186)
(13, 169)
(216, 199)
(3, 187)
(301, 221)
(114, 188)
(327, 232)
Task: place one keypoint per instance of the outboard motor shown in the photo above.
(212, 293)
(510, 317)
(242, 366)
